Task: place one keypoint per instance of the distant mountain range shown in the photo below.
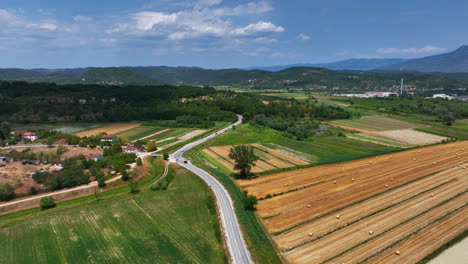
(351, 64)
(451, 62)
(347, 74)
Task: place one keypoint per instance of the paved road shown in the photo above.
(235, 241)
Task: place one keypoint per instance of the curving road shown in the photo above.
(235, 241)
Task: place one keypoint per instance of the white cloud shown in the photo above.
(425, 49)
(200, 21)
(81, 19)
(343, 53)
(259, 27)
(9, 19)
(303, 36)
(245, 9)
(265, 40)
(45, 26)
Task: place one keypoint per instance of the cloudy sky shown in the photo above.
(222, 33)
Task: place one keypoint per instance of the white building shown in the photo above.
(31, 136)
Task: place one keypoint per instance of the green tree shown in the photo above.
(125, 175)
(50, 141)
(7, 192)
(33, 190)
(4, 131)
(166, 156)
(47, 202)
(151, 146)
(101, 179)
(133, 187)
(244, 158)
(139, 162)
(250, 202)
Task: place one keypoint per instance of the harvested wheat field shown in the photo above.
(109, 129)
(408, 136)
(269, 159)
(368, 209)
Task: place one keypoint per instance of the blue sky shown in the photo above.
(223, 34)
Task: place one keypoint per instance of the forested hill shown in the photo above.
(297, 77)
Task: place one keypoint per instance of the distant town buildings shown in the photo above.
(443, 96)
(368, 94)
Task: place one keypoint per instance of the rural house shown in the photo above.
(109, 138)
(94, 157)
(31, 136)
(129, 149)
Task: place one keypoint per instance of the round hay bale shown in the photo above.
(371, 232)
(311, 234)
(414, 158)
(464, 167)
(435, 163)
(397, 252)
(432, 195)
(352, 179)
(337, 216)
(285, 184)
(391, 179)
(334, 182)
(308, 205)
(386, 185)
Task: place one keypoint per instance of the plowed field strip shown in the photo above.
(401, 211)
(281, 155)
(219, 159)
(352, 237)
(324, 225)
(369, 183)
(223, 151)
(353, 168)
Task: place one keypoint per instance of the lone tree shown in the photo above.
(244, 158)
(47, 202)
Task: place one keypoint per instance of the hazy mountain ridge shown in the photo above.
(452, 62)
(350, 64)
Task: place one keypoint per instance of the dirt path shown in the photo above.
(157, 133)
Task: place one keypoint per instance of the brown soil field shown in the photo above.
(109, 129)
(350, 128)
(281, 155)
(270, 159)
(408, 136)
(340, 203)
(19, 176)
(223, 151)
(71, 151)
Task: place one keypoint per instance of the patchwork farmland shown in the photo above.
(172, 226)
(385, 209)
(269, 159)
(388, 131)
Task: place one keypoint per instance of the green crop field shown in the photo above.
(172, 226)
(376, 123)
(65, 128)
(139, 132)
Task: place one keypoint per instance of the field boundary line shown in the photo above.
(179, 246)
(61, 255)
